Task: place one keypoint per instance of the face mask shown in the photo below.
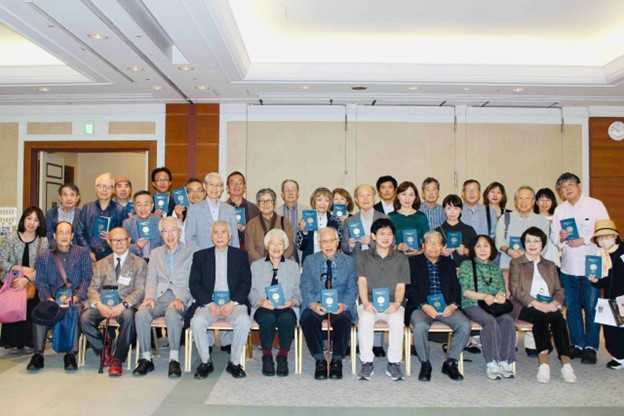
(606, 242)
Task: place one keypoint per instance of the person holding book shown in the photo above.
(386, 188)
(292, 209)
(609, 239)
(456, 234)
(410, 224)
(275, 298)
(69, 198)
(116, 291)
(342, 204)
(545, 205)
(328, 268)
(143, 227)
(382, 274)
(579, 214)
(161, 182)
(434, 294)
(482, 285)
(430, 207)
(474, 213)
(51, 283)
(236, 188)
(538, 298)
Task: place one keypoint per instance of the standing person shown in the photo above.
(495, 197)
(475, 214)
(196, 193)
(386, 187)
(430, 207)
(545, 205)
(18, 253)
(342, 196)
(161, 182)
(123, 190)
(69, 198)
(236, 187)
(292, 209)
(581, 295)
(143, 206)
(406, 216)
(453, 210)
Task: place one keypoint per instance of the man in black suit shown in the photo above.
(386, 188)
(223, 271)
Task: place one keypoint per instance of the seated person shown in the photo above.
(143, 205)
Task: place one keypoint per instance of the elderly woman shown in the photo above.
(266, 274)
(498, 335)
(538, 298)
(17, 255)
(258, 227)
(342, 196)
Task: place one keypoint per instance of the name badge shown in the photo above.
(124, 280)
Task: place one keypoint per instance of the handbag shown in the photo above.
(31, 288)
(495, 309)
(13, 302)
(65, 329)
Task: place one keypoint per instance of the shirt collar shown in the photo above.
(268, 258)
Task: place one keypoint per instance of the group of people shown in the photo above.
(403, 260)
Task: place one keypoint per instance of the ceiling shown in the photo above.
(489, 53)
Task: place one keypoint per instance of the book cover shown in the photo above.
(130, 208)
(240, 216)
(593, 266)
(514, 243)
(542, 298)
(437, 301)
(329, 300)
(62, 296)
(309, 216)
(275, 294)
(339, 210)
(100, 225)
(161, 202)
(181, 197)
(410, 237)
(356, 229)
(569, 225)
(221, 297)
(454, 239)
(110, 298)
(381, 298)
(146, 229)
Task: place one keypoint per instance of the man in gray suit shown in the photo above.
(291, 209)
(202, 215)
(166, 294)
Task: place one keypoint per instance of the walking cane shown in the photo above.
(329, 344)
(101, 369)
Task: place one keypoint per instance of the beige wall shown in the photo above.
(8, 167)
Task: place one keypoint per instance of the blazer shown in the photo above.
(77, 268)
(254, 237)
(379, 207)
(344, 244)
(12, 249)
(521, 278)
(199, 220)
(202, 278)
(130, 224)
(86, 220)
(51, 219)
(159, 279)
(344, 281)
(134, 267)
(305, 242)
(287, 276)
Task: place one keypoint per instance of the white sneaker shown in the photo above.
(506, 369)
(493, 371)
(543, 373)
(568, 374)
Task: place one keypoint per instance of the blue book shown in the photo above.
(240, 216)
(437, 301)
(221, 297)
(146, 229)
(100, 225)
(381, 298)
(410, 237)
(569, 225)
(329, 300)
(110, 298)
(514, 243)
(542, 298)
(181, 197)
(311, 222)
(593, 265)
(63, 295)
(161, 202)
(339, 210)
(130, 208)
(275, 294)
(454, 239)
(356, 229)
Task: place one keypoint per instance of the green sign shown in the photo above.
(89, 128)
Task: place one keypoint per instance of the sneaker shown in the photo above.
(543, 373)
(568, 374)
(506, 369)
(367, 371)
(615, 364)
(28, 350)
(493, 371)
(393, 370)
(589, 356)
(12, 350)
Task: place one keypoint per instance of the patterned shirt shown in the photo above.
(435, 215)
(434, 278)
(490, 280)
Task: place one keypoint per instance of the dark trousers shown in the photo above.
(20, 334)
(312, 325)
(545, 324)
(42, 330)
(614, 341)
(89, 322)
(284, 320)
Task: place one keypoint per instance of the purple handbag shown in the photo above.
(12, 302)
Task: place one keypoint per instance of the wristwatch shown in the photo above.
(126, 304)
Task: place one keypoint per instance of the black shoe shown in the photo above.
(615, 365)
(236, 370)
(268, 366)
(203, 370)
(282, 366)
(530, 352)
(450, 369)
(69, 362)
(425, 371)
(321, 370)
(575, 352)
(144, 367)
(36, 363)
(413, 350)
(335, 369)
(379, 351)
(174, 369)
(226, 348)
(589, 356)
(473, 349)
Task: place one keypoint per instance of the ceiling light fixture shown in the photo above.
(202, 87)
(466, 89)
(186, 68)
(44, 89)
(135, 68)
(97, 36)
(360, 88)
(305, 87)
(413, 88)
(517, 89)
(157, 87)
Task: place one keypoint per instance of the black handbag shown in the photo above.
(495, 309)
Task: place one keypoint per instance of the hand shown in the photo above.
(117, 310)
(366, 240)
(104, 310)
(430, 311)
(553, 306)
(514, 254)
(592, 278)
(369, 307)
(341, 308)
(140, 243)
(213, 309)
(462, 250)
(266, 304)
(501, 298)
(446, 252)
(241, 228)
(20, 283)
(343, 218)
(449, 310)
(403, 247)
(576, 243)
(104, 235)
(317, 308)
(562, 235)
(93, 259)
(287, 305)
(540, 306)
(160, 213)
(228, 308)
(179, 211)
(413, 252)
(177, 305)
(74, 300)
(302, 224)
(352, 243)
(148, 303)
(394, 307)
(29, 272)
(489, 299)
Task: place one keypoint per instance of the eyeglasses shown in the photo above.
(104, 187)
(265, 202)
(195, 191)
(162, 180)
(118, 240)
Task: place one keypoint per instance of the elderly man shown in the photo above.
(381, 267)
(69, 197)
(291, 209)
(473, 213)
(430, 207)
(435, 295)
(386, 188)
(513, 224)
(166, 294)
(580, 294)
(236, 187)
(328, 267)
(201, 216)
(220, 273)
(124, 273)
(75, 262)
(135, 225)
(101, 212)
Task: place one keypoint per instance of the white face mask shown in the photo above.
(606, 242)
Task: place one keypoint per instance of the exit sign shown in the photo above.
(89, 128)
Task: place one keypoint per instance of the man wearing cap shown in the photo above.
(76, 263)
(386, 188)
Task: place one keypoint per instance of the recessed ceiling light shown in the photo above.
(44, 89)
(305, 87)
(135, 68)
(466, 89)
(97, 36)
(517, 89)
(413, 88)
(360, 88)
(186, 68)
(203, 87)
(157, 87)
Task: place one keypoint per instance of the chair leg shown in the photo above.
(449, 340)
(297, 346)
(243, 357)
(407, 345)
(154, 337)
(249, 346)
(300, 354)
(461, 363)
(353, 348)
(188, 350)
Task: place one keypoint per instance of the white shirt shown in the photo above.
(538, 284)
(388, 208)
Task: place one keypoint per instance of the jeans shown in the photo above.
(580, 296)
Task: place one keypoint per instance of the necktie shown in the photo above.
(328, 282)
(118, 267)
